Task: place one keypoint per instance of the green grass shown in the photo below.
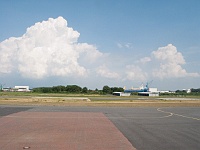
(92, 97)
(38, 94)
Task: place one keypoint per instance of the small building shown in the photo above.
(121, 94)
(153, 90)
(21, 89)
(148, 93)
(6, 89)
(167, 92)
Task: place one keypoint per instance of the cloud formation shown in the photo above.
(144, 60)
(124, 45)
(48, 48)
(105, 72)
(135, 73)
(51, 49)
(170, 63)
(165, 62)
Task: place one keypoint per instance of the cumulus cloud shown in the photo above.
(90, 52)
(165, 62)
(169, 54)
(51, 48)
(48, 48)
(8, 51)
(105, 72)
(170, 63)
(135, 73)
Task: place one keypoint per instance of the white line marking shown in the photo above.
(159, 109)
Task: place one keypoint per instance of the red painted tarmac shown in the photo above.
(60, 131)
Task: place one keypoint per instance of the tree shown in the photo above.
(117, 89)
(106, 90)
(58, 89)
(195, 90)
(73, 89)
(84, 90)
(46, 89)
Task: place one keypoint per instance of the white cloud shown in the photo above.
(8, 51)
(90, 52)
(166, 62)
(135, 73)
(105, 72)
(48, 48)
(51, 48)
(170, 61)
(169, 54)
(144, 60)
(124, 45)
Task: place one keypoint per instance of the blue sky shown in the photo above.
(111, 42)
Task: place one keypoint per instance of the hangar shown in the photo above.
(148, 93)
(121, 94)
(21, 89)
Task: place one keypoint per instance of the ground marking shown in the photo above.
(159, 109)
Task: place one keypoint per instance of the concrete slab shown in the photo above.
(60, 131)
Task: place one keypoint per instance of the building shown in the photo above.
(121, 94)
(21, 89)
(6, 89)
(167, 92)
(148, 93)
(16, 89)
(151, 92)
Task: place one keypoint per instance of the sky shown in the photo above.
(93, 43)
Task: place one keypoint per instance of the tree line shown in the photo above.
(75, 89)
(193, 92)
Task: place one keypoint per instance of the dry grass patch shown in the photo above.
(83, 101)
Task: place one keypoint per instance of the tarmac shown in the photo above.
(60, 131)
(108, 128)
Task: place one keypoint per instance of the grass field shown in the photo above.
(28, 98)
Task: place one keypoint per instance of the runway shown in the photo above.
(142, 128)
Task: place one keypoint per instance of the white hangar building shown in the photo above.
(22, 88)
(151, 92)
